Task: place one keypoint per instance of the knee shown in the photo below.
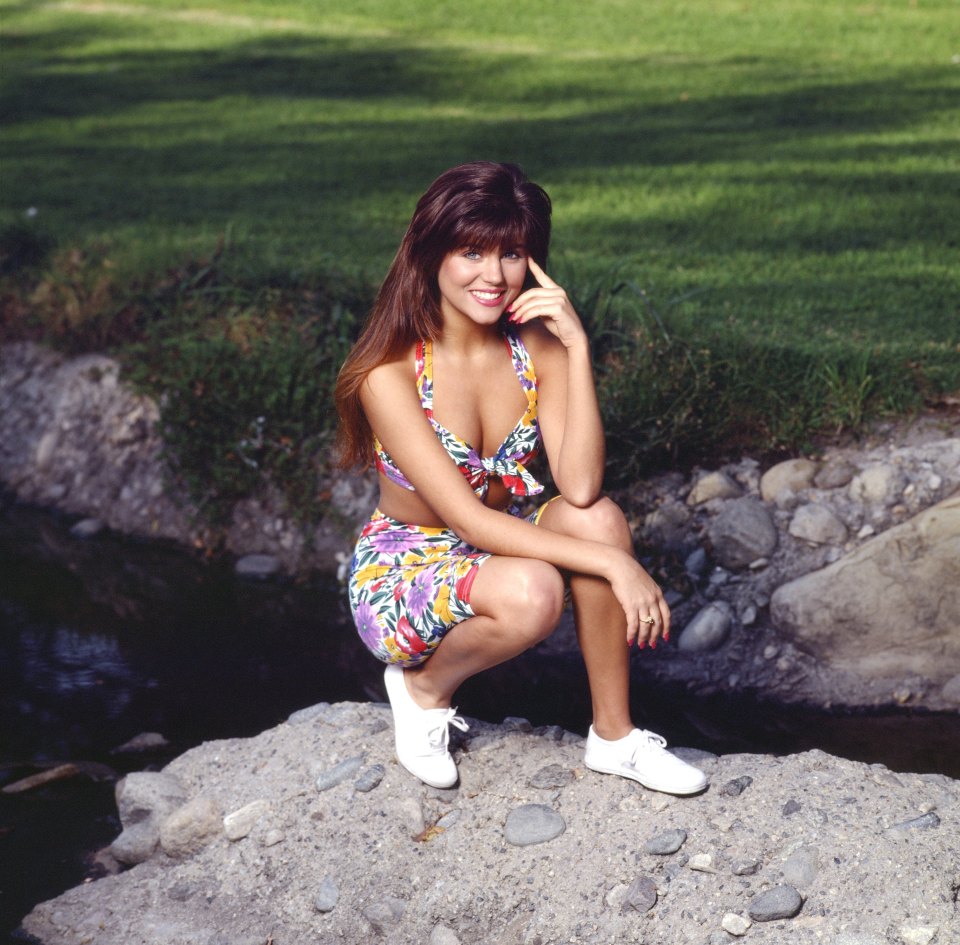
(605, 522)
(537, 600)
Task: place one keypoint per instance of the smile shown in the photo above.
(488, 298)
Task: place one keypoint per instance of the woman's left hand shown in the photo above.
(548, 303)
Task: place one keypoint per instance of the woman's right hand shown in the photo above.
(646, 611)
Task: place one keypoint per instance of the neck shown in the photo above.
(462, 337)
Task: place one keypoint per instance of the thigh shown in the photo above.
(512, 589)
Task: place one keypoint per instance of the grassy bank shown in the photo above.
(757, 205)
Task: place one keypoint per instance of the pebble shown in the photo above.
(926, 822)
(791, 807)
(442, 935)
(552, 777)
(641, 896)
(238, 824)
(370, 779)
(702, 863)
(918, 934)
(696, 562)
(191, 827)
(737, 786)
(735, 924)
(327, 896)
(802, 866)
(258, 567)
(339, 773)
(749, 616)
(273, 836)
(780, 902)
(87, 528)
(513, 723)
(666, 843)
(714, 485)
(708, 629)
(745, 867)
(385, 914)
(533, 823)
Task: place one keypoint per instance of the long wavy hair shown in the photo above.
(484, 205)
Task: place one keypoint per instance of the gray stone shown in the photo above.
(735, 924)
(714, 485)
(880, 484)
(742, 532)
(87, 528)
(145, 741)
(736, 786)
(696, 562)
(144, 794)
(851, 615)
(327, 896)
(385, 914)
(667, 525)
(191, 827)
(443, 935)
(258, 567)
(926, 822)
(136, 844)
(641, 896)
(818, 525)
(309, 714)
(918, 934)
(780, 902)
(835, 473)
(552, 777)
(745, 867)
(370, 779)
(792, 475)
(533, 823)
(513, 723)
(951, 690)
(708, 629)
(791, 807)
(665, 843)
(339, 773)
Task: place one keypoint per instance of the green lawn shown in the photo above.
(781, 178)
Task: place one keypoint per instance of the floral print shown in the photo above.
(409, 585)
(517, 450)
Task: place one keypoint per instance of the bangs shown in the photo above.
(511, 231)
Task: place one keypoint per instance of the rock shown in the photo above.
(665, 843)
(850, 615)
(552, 777)
(385, 914)
(745, 867)
(696, 562)
(780, 902)
(817, 524)
(442, 935)
(702, 863)
(951, 690)
(641, 896)
(880, 484)
(926, 822)
(258, 567)
(742, 532)
(666, 526)
(136, 844)
(339, 773)
(370, 779)
(144, 799)
(533, 823)
(918, 934)
(835, 473)
(791, 807)
(238, 824)
(191, 827)
(327, 896)
(146, 741)
(714, 485)
(708, 629)
(737, 786)
(792, 475)
(87, 528)
(735, 924)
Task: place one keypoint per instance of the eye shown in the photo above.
(470, 253)
(513, 254)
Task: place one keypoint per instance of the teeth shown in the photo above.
(489, 296)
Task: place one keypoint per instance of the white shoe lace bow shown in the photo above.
(438, 735)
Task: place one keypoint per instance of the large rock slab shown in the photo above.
(890, 607)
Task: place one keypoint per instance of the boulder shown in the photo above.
(792, 475)
(742, 532)
(888, 608)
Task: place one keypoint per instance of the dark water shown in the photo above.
(104, 639)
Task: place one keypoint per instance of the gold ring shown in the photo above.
(648, 620)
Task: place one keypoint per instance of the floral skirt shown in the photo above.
(410, 584)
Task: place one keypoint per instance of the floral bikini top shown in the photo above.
(509, 462)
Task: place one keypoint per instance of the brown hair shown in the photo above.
(483, 205)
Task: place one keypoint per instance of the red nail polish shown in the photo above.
(642, 644)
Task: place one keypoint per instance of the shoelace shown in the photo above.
(439, 735)
(646, 741)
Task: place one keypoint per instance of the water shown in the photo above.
(102, 640)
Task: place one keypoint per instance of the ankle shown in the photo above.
(612, 731)
(421, 692)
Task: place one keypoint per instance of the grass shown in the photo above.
(780, 179)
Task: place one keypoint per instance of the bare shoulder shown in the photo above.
(391, 377)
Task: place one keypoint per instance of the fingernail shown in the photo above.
(642, 644)
(653, 645)
(666, 638)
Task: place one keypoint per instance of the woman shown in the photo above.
(467, 335)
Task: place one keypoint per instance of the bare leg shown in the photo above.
(600, 622)
(518, 602)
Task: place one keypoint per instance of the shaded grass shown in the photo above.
(781, 180)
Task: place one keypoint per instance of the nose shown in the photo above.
(492, 269)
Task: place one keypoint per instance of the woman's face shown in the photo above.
(480, 284)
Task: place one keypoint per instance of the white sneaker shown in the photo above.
(643, 756)
(421, 736)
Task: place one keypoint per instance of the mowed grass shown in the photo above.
(781, 180)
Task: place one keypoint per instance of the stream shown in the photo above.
(104, 639)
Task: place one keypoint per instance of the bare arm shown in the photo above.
(397, 417)
(568, 409)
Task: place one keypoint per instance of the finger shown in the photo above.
(665, 613)
(540, 275)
